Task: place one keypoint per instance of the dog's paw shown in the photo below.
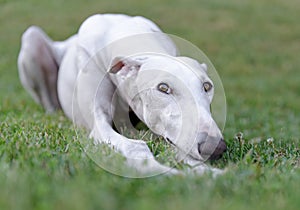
(217, 172)
(202, 169)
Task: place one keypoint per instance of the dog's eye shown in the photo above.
(207, 86)
(163, 87)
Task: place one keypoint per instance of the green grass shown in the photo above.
(255, 47)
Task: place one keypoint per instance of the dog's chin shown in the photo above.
(183, 154)
(196, 157)
(193, 155)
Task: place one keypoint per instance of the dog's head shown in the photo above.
(172, 96)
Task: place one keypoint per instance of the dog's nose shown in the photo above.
(212, 150)
(221, 148)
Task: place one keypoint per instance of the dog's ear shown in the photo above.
(124, 66)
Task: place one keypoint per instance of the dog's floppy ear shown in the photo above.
(124, 65)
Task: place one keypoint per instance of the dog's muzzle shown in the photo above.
(212, 149)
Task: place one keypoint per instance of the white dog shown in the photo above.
(118, 59)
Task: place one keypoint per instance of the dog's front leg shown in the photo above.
(138, 155)
(200, 168)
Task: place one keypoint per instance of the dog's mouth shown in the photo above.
(214, 153)
(169, 141)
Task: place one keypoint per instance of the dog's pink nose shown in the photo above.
(212, 149)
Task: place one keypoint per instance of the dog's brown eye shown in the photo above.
(163, 87)
(207, 86)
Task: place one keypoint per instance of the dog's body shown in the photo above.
(130, 56)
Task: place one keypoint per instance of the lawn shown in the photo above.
(254, 45)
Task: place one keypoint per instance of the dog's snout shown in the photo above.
(211, 149)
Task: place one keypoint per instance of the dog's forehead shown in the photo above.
(179, 66)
